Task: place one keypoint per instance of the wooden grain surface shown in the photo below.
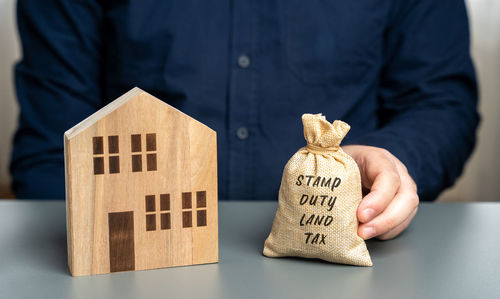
(185, 163)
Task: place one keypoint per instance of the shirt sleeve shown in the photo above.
(57, 85)
(428, 94)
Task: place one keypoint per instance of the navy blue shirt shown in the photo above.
(399, 72)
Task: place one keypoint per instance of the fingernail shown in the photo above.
(368, 214)
(368, 232)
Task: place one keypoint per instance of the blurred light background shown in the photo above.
(478, 182)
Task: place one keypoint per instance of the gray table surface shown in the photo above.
(449, 251)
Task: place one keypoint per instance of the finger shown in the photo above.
(408, 184)
(406, 179)
(395, 214)
(398, 229)
(386, 183)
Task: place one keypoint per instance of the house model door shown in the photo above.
(121, 241)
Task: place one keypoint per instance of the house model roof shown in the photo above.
(132, 94)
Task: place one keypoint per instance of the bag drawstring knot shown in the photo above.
(319, 150)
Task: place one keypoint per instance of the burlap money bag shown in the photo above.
(318, 198)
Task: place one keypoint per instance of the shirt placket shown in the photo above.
(241, 101)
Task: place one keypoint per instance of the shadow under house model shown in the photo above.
(141, 188)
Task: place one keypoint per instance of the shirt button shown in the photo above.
(242, 133)
(243, 61)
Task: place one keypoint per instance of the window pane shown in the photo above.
(136, 163)
(151, 162)
(114, 164)
(98, 145)
(136, 142)
(151, 142)
(187, 219)
(99, 165)
(151, 222)
(164, 202)
(201, 218)
(201, 199)
(165, 221)
(186, 200)
(150, 203)
(113, 144)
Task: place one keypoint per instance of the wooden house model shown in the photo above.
(141, 188)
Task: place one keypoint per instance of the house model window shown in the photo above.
(137, 152)
(201, 209)
(151, 212)
(113, 154)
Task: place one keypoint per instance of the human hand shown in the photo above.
(392, 201)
